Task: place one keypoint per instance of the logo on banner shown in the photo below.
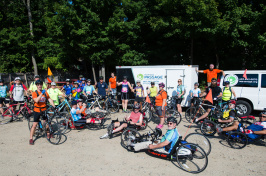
(233, 79)
(140, 76)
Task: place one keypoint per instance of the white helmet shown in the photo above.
(183, 151)
(17, 78)
(53, 84)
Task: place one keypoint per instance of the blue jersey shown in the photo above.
(68, 89)
(88, 90)
(82, 85)
(171, 136)
(3, 90)
(101, 88)
(74, 114)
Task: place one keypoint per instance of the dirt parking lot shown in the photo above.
(83, 153)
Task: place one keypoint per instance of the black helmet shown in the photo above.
(158, 132)
(196, 83)
(152, 83)
(124, 77)
(38, 82)
(171, 119)
(136, 106)
(101, 77)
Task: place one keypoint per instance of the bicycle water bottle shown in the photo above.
(40, 124)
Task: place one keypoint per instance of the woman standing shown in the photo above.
(160, 103)
(180, 93)
(124, 92)
(139, 94)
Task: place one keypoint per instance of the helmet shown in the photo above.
(83, 79)
(88, 80)
(232, 101)
(76, 82)
(158, 132)
(67, 80)
(1, 81)
(138, 81)
(161, 85)
(171, 119)
(81, 76)
(152, 83)
(101, 77)
(184, 151)
(74, 102)
(196, 83)
(36, 76)
(124, 77)
(226, 82)
(53, 84)
(38, 82)
(136, 106)
(17, 78)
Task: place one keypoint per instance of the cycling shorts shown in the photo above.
(17, 102)
(160, 112)
(3, 100)
(124, 96)
(37, 116)
(179, 100)
(139, 99)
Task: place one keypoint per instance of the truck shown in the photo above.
(168, 74)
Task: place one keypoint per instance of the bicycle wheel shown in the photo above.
(130, 105)
(237, 140)
(191, 158)
(112, 106)
(129, 137)
(53, 129)
(201, 140)
(6, 117)
(144, 124)
(208, 128)
(62, 121)
(173, 113)
(190, 113)
(148, 115)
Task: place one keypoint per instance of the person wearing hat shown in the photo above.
(211, 73)
(80, 79)
(227, 92)
(17, 91)
(216, 93)
(139, 93)
(102, 87)
(33, 86)
(67, 88)
(3, 95)
(166, 144)
(54, 93)
(125, 93)
(89, 90)
(82, 84)
(76, 91)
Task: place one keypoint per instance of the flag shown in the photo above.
(49, 81)
(209, 96)
(49, 72)
(245, 74)
(148, 99)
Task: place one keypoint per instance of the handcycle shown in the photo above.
(191, 157)
(48, 127)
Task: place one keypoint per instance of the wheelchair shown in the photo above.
(191, 157)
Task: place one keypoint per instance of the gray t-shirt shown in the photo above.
(18, 92)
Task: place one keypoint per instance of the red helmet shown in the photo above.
(232, 101)
(161, 85)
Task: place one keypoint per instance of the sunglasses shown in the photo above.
(89, 82)
(214, 81)
(38, 84)
(179, 81)
(170, 123)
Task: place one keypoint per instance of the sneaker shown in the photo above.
(159, 126)
(219, 129)
(110, 130)
(31, 142)
(104, 136)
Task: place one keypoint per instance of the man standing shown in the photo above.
(211, 73)
(17, 91)
(54, 93)
(112, 84)
(102, 87)
(33, 86)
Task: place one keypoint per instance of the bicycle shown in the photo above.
(111, 104)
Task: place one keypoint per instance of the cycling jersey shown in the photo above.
(88, 90)
(3, 91)
(68, 89)
(153, 91)
(113, 82)
(160, 97)
(42, 103)
(124, 87)
(33, 87)
(82, 85)
(54, 93)
(196, 92)
(139, 90)
(227, 94)
(180, 89)
(74, 114)
(135, 117)
(172, 137)
(18, 92)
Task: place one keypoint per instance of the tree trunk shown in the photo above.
(103, 72)
(191, 51)
(32, 36)
(93, 72)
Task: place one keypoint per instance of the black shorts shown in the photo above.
(37, 116)
(139, 99)
(3, 100)
(81, 121)
(160, 112)
(152, 100)
(124, 96)
(179, 100)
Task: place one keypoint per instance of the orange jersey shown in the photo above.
(113, 82)
(42, 103)
(211, 74)
(160, 97)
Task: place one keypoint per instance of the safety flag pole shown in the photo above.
(245, 74)
(209, 97)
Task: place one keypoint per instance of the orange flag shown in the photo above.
(49, 72)
(49, 80)
(148, 99)
(245, 74)
(209, 97)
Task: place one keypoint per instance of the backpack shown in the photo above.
(16, 85)
(229, 89)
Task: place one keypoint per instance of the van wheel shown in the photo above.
(243, 108)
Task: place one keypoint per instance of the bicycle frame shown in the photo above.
(10, 108)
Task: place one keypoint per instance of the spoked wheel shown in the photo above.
(201, 140)
(148, 115)
(237, 140)
(208, 128)
(190, 114)
(112, 106)
(62, 121)
(52, 132)
(144, 124)
(191, 158)
(129, 137)
(130, 105)
(6, 118)
(173, 113)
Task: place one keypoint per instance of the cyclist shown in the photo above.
(76, 91)
(152, 91)
(33, 87)
(67, 88)
(227, 92)
(3, 95)
(135, 118)
(167, 142)
(180, 90)
(80, 79)
(89, 90)
(102, 87)
(211, 73)
(17, 91)
(139, 93)
(125, 92)
(82, 84)
(160, 103)
(112, 84)
(195, 93)
(229, 115)
(216, 93)
(40, 98)
(54, 93)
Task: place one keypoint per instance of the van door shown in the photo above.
(262, 93)
(172, 76)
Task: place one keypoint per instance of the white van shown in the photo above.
(250, 92)
(168, 74)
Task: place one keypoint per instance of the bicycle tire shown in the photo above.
(191, 158)
(201, 140)
(190, 114)
(130, 105)
(144, 124)
(237, 140)
(112, 106)
(148, 114)
(208, 128)
(62, 121)
(173, 113)
(6, 118)
(128, 137)
(54, 132)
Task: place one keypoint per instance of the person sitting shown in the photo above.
(135, 118)
(166, 144)
(229, 116)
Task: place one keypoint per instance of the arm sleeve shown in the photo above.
(12, 87)
(164, 95)
(25, 88)
(205, 71)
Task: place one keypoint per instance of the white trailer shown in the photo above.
(168, 74)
